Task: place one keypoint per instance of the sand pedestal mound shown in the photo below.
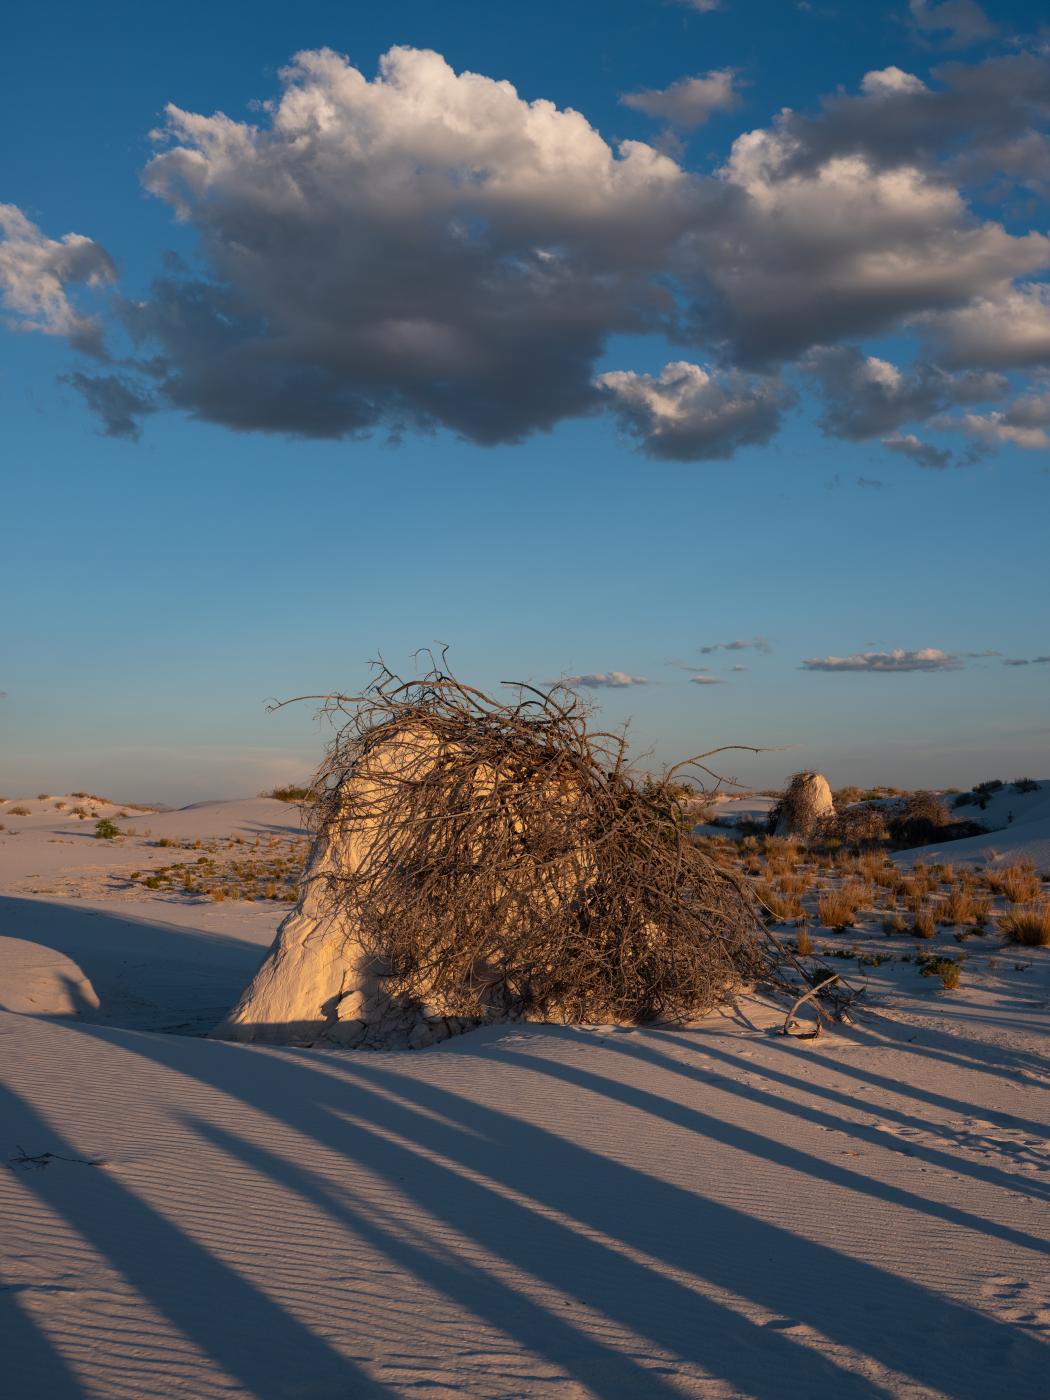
(478, 862)
(805, 803)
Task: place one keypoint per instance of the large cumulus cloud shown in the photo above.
(423, 247)
(426, 248)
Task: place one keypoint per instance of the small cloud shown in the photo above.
(923, 453)
(925, 659)
(870, 483)
(755, 644)
(954, 23)
(116, 401)
(707, 680)
(1018, 661)
(741, 668)
(702, 7)
(689, 102)
(688, 413)
(1040, 660)
(604, 680)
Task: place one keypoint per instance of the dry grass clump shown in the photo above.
(1017, 884)
(513, 863)
(838, 908)
(18, 811)
(781, 906)
(1029, 924)
(924, 925)
(957, 907)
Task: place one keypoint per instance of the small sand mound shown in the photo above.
(41, 982)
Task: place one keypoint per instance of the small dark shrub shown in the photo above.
(1025, 785)
(857, 826)
(947, 969)
(290, 793)
(923, 818)
(105, 830)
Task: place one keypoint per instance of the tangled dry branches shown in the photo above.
(512, 864)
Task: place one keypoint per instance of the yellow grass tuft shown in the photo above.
(1029, 924)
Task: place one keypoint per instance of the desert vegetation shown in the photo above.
(514, 862)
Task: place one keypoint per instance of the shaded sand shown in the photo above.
(525, 1211)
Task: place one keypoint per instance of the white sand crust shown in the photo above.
(528, 1210)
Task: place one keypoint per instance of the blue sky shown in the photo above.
(165, 581)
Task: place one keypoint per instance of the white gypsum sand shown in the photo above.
(523, 1211)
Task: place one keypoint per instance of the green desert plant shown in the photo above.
(949, 970)
(105, 830)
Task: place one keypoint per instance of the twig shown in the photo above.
(42, 1159)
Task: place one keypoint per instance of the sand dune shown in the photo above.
(525, 1211)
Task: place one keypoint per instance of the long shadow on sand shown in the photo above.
(146, 974)
(564, 1213)
(674, 1268)
(252, 1338)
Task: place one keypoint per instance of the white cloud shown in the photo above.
(1009, 329)
(706, 680)
(925, 659)
(36, 272)
(690, 102)
(1023, 423)
(688, 413)
(843, 247)
(996, 430)
(890, 82)
(425, 248)
(604, 680)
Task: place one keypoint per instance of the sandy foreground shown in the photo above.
(717, 1211)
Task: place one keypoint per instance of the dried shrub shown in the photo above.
(856, 827)
(513, 864)
(923, 819)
